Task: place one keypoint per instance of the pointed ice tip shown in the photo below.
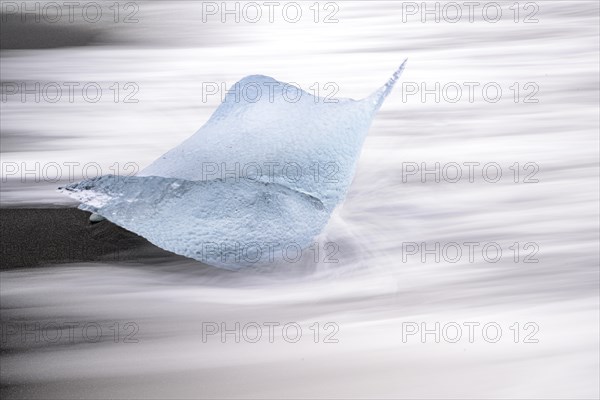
(377, 98)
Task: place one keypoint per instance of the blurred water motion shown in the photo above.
(376, 287)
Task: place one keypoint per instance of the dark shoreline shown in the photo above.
(39, 236)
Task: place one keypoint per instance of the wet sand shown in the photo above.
(34, 237)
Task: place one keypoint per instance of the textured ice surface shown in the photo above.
(220, 222)
(265, 172)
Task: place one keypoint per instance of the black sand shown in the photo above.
(31, 34)
(31, 237)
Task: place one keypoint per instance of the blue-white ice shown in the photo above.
(265, 172)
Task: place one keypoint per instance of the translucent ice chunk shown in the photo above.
(260, 177)
(275, 132)
(224, 223)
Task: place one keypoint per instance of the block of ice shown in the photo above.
(226, 223)
(261, 177)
